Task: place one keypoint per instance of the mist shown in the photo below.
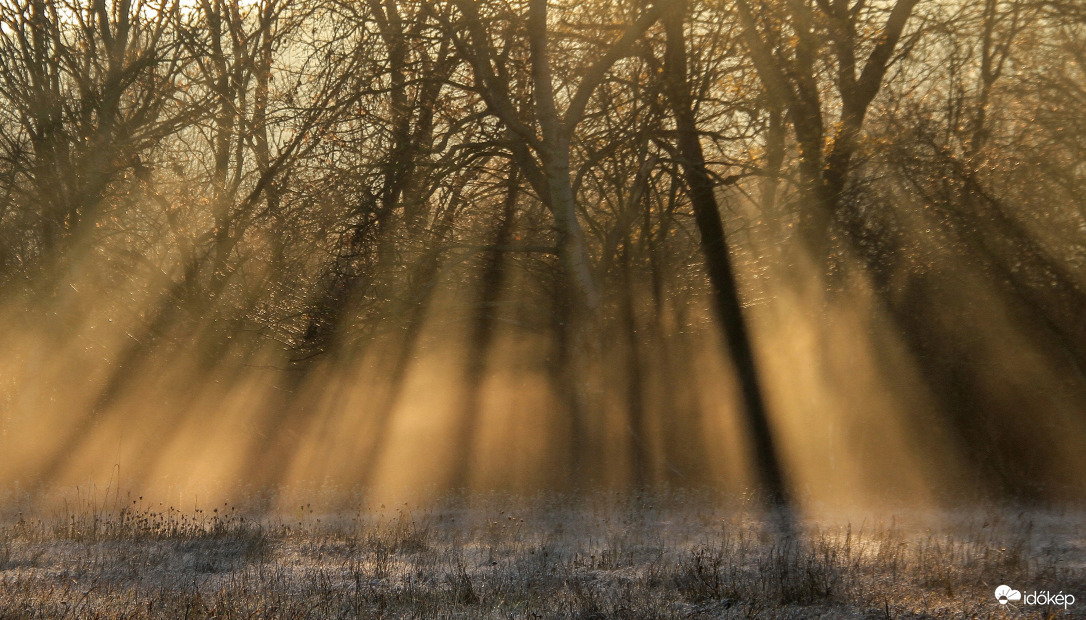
(363, 254)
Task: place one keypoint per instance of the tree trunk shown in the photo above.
(721, 276)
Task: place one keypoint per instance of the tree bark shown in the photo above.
(714, 247)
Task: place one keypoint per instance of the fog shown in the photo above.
(360, 254)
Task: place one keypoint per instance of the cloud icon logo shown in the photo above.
(1005, 594)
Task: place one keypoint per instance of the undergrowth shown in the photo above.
(548, 560)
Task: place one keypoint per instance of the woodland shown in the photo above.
(813, 250)
(574, 309)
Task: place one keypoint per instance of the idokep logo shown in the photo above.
(1006, 594)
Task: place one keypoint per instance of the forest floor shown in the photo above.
(557, 557)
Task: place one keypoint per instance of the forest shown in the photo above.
(810, 254)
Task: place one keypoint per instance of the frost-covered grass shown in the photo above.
(679, 556)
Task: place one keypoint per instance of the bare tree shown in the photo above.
(714, 247)
(87, 89)
(790, 75)
(542, 150)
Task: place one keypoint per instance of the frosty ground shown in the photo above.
(679, 555)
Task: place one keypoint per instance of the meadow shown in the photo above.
(670, 555)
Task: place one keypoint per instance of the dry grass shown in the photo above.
(577, 558)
